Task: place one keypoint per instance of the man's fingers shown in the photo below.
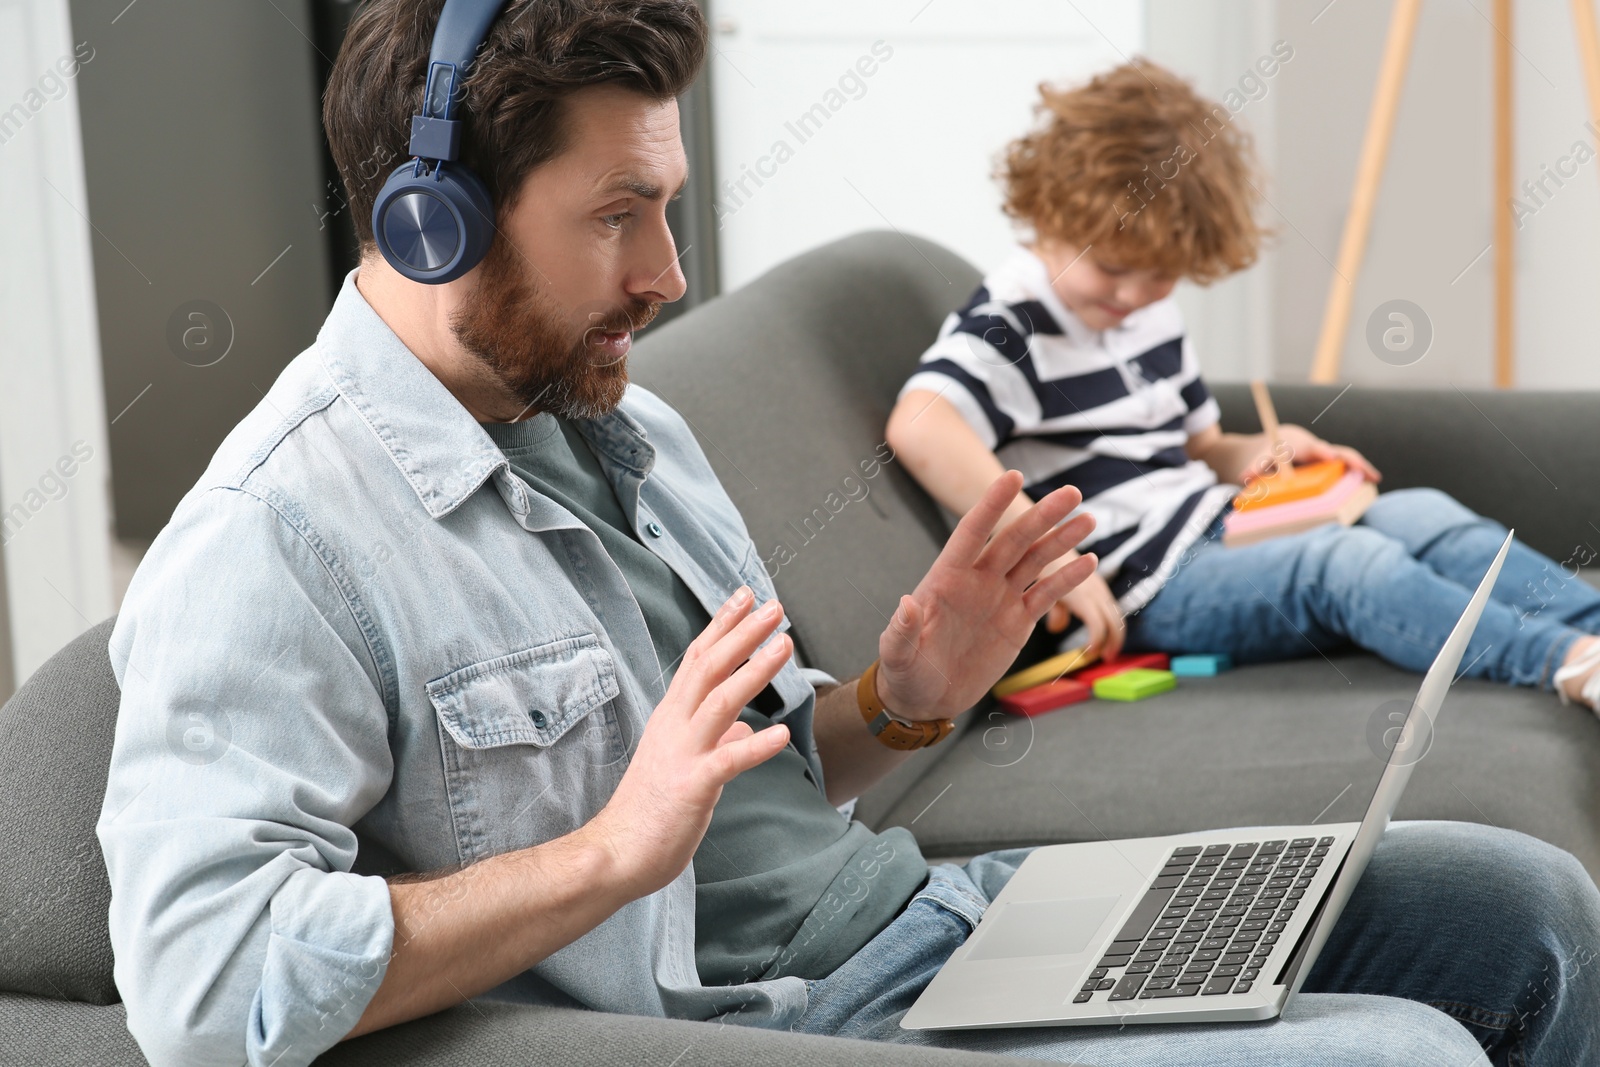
(722, 705)
(713, 656)
(972, 532)
(1009, 544)
(734, 758)
(898, 644)
(737, 732)
(1057, 618)
(1051, 546)
(1047, 590)
(729, 615)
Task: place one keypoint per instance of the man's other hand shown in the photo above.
(953, 636)
(694, 744)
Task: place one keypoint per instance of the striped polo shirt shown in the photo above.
(1108, 411)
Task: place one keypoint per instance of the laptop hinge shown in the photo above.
(1291, 967)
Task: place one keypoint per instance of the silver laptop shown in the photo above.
(1220, 926)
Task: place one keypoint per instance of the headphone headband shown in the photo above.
(463, 25)
(433, 219)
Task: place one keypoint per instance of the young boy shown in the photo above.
(1070, 364)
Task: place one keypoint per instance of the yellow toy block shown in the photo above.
(1048, 671)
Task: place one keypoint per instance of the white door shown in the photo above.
(55, 475)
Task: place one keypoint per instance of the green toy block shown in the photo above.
(1201, 666)
(1134, 684)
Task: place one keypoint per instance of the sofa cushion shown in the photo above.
(1279, 743)
(483, 1034)
(55, 746)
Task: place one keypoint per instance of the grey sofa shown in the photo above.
(788, 383)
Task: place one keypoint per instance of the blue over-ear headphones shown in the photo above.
(433, 219)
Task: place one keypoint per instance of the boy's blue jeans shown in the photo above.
(1394, 584)
(1458, 936)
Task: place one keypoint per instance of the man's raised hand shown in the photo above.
(694, 744)
(951, 638)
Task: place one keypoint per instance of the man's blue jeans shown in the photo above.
(1458, 936)
(1394, 584)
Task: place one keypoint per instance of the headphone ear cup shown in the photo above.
(435, 226)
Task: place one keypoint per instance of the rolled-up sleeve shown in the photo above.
(252, 736)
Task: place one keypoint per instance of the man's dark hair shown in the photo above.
(537, 53)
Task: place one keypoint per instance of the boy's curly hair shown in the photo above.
(1139, 165)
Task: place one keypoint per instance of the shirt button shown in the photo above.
(538, 718)
(653, 529)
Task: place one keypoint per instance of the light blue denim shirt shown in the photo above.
(363, 644)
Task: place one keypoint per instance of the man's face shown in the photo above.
(582, 259)
(1098, 289)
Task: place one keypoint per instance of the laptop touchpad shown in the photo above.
(1042, 928)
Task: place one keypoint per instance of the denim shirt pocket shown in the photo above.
(530, 697)
(530, 743)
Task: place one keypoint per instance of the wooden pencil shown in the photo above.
(1269, 421)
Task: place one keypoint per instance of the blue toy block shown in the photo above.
(1200, 666)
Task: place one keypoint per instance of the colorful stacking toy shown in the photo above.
(1044, 687)
(1201, 666)
(1292, 499)
(1136, 684)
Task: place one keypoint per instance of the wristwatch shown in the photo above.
(890, 731)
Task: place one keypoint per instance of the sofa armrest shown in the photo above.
(38, 1030)
(1530, 460)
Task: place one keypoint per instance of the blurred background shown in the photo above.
(178, 233)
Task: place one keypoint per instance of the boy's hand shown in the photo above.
(1093, 605)
(1303, 446)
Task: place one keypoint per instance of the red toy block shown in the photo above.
(1150, 661)
(1047, 697)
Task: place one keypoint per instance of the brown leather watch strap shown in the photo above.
(895, 733)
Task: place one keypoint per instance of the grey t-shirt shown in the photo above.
(785, 885)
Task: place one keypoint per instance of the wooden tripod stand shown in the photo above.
(1375, 149)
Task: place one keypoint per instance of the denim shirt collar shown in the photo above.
(435, 442)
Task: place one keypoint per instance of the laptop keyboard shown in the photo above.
(1208, 921)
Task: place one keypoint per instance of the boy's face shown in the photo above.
(1098, 289)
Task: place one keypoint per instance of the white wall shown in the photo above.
(57, 528)
(912, 145)
(1222, 47)
(1433, 217)
(1433, 211)
(1558, 247)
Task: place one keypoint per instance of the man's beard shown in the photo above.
(525, 341)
